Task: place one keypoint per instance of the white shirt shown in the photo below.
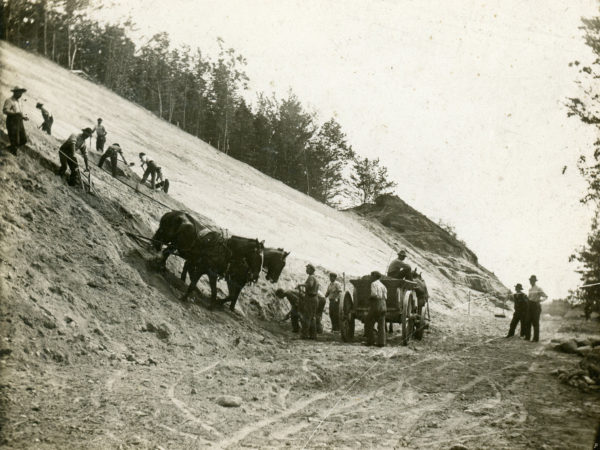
(334, 290)
(378, 290)
(536, 294)
(12, 105)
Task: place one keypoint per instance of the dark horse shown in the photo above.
(273, 264)
(237, 259)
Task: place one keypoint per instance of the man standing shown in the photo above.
(534, 310)
(520, 314)
(294, 313)
(377, 310)
(334, 294)
(398, 268)
(48, 119)
(100, 136)
(66, 154)
(311, 302)
(14, 120)
(113, 153)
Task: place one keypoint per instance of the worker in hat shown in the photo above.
(13, 110)
(521, 311)
(295, 308)
(536, 296)
(47, 116)
(100, 136)
(152, 170)
(398, 268)
(334, 295)
(311, 302)
(113, 153)
(66, 153)
(377, 310)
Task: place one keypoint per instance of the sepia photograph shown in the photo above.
(300, 224)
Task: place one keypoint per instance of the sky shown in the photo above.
(463, 101)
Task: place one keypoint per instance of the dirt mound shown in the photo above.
(395, 214)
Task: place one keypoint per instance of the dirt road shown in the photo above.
(468, 387)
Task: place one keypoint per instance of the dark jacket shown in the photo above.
(521, 301)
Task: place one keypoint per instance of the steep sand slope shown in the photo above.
(97, 352)
(231, 193)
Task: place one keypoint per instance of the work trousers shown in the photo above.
(295, 319)
(16, 131)
(520, 315)
(113, 160)
(100, 141)
(67, 157)
(334, 314)
(534, 312)
(309, 329)
(376, 315)
(47, 125)
(151, 170)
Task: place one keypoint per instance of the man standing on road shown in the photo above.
(398, 268)
(14, 120)
(520, 314)
(47, 116)
(536, 296)
(377, 310)
(100, 136)
(113, 153)
(311, 302)
(294, 313)
(334, 294)
(66, 154)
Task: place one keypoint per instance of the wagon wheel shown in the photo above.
(347, 319)
(407, 321)
(420, 323)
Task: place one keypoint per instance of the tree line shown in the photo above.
(586, 108)
(203, 96)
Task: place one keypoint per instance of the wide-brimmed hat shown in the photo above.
(332, 274)
(376, 274)
(39, 105)
(88, 130)
(142, 154)
(18, 89)
(532, 278)
(310, 266)
(116, 145)
(518, 287)
(402, 253)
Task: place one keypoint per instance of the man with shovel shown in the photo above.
(113, 153)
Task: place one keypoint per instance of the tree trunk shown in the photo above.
(73, 57)
(159, 100)
(45, 30)
(53, 42)
(184, 104)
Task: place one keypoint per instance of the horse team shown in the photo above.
(237, 259)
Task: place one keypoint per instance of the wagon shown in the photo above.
(403, 307)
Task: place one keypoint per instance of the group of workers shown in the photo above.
(307, 304)
(17, 136)
(528, 309)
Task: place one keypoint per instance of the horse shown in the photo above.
(237, 273)
(273, 263)
(237, 259)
